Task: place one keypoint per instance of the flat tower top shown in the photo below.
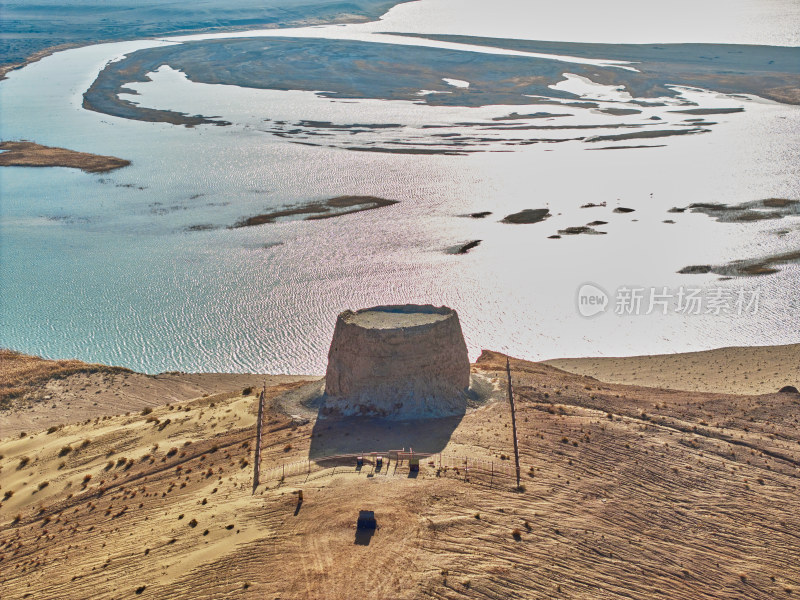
(397, 317)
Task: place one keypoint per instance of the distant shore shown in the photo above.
(307, 21)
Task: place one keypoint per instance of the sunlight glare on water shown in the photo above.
(139, 267)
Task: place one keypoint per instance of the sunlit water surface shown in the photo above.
(106, 268)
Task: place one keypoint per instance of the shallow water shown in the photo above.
(96, 268)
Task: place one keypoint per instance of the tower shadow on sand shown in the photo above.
(332, 435)
(352, 435)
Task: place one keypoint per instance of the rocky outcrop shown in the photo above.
(405, 361)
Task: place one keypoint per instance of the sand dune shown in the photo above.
(741, 370)
(628, 492)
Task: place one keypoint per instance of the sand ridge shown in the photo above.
(739, 370)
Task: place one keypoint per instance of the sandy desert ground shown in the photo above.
(741, 370)
(628, 492)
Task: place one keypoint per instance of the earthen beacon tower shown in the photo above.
(406, 361)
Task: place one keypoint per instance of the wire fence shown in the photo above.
(398, 463)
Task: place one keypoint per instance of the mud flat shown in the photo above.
(335, 207)
(768, 71)
(30, 154)
(756, 210)
(528, 216)
(746, 267)
(650, 134)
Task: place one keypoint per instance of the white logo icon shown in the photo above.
(592, 300)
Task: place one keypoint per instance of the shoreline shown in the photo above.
(52, 392)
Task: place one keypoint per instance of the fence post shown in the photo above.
(259, 430)
(513, 419)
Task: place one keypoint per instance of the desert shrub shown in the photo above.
(193, 523)
(43, 484)
(140, 589)
(146, 411)
(516, 534)
(7, 494)
(23, 462)
(247, 391)
(287, 447)
(85, 443)
(172, 452)
(52, 429)
(65, 450)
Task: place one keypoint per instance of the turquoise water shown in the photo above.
(104, 267)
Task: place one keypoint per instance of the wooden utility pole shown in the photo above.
(259, 426)
(513, 418)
